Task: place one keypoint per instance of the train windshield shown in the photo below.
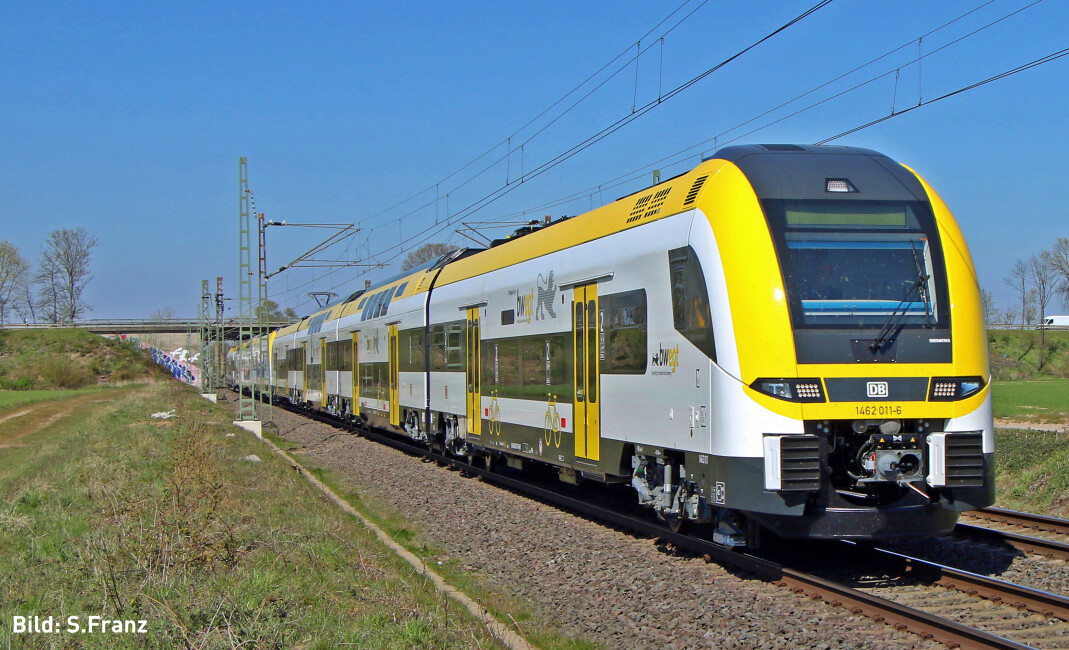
(859, 264)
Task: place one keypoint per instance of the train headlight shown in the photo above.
(791, 390)
(950, 389)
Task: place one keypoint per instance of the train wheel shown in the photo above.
(674, 522)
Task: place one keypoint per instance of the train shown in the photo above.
(785, 338)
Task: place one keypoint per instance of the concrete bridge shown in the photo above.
(166, 334)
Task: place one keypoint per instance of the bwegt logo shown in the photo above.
(666, 357)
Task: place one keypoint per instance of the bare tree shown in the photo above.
(1059, 260)
(13, 275)
(27, 305)
(49, 299)
(990, 309)
(426, 253)
(68, 253)
(158, 316)
(162, 314)
(1045, 280)
(1019, 281)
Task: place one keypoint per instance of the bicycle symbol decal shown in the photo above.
(495, 415)
(551, 427)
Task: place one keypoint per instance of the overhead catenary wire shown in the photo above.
(543, 113)
(618, 124)
(588, 142)
(427, 233)
(1008, 73)
(684, 155)
(486, 169)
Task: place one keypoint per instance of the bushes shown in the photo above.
(67, 359)
(63, 373)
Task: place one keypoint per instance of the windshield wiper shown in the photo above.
(922, 286)
(899, 312)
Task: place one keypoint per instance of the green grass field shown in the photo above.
(1041, 400)
(13, 399)
(111, 513)
(1032, 471)
(1032, 467)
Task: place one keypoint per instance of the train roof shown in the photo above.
(664, 199)
(780, 171)
(774, 170)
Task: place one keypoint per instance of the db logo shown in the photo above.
(877, 389)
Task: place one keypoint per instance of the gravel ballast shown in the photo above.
(579, 577)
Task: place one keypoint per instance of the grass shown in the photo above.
(12, 399)
(67, 359)
(111, 513)
(1032, 471)
(1043, 400)
(1014, 354)
(408, 533)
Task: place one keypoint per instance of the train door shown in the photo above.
(473, 372)
(304, 370)
(322, 373)
(356, 373)
(283, 371)
(587, 341)
(394, 408)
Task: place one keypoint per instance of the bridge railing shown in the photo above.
(136, 324)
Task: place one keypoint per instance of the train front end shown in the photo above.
(855, 313)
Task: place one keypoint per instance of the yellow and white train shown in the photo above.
(785, 337)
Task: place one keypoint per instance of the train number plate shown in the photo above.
(879, 410)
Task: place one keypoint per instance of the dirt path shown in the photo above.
(1056, 427)
(31, 419)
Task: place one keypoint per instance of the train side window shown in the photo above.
(507, 368)
(437, 344)
(580, 360)
(446, 346)
(690, 300)
(411, 350)
(593, 351)
(454, 347)
(533, 360)
(560, 365)
(345, 356)
(624, 322)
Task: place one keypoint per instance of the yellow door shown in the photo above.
(322, 373)
(473, 372)
(304, 371)
(356, 373)
(587, 341)
(394, 408)
(282, 372)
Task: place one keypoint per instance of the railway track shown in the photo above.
(1024, 531)
(1027, 616)
(918, 607)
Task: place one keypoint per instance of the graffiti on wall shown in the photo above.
(176, 363)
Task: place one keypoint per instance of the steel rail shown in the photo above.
(1027, 519)
(1041, 602)
(924, 624)
(1024, 543)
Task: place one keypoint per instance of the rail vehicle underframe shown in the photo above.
(733, 491)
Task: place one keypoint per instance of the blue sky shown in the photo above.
(129, 118)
